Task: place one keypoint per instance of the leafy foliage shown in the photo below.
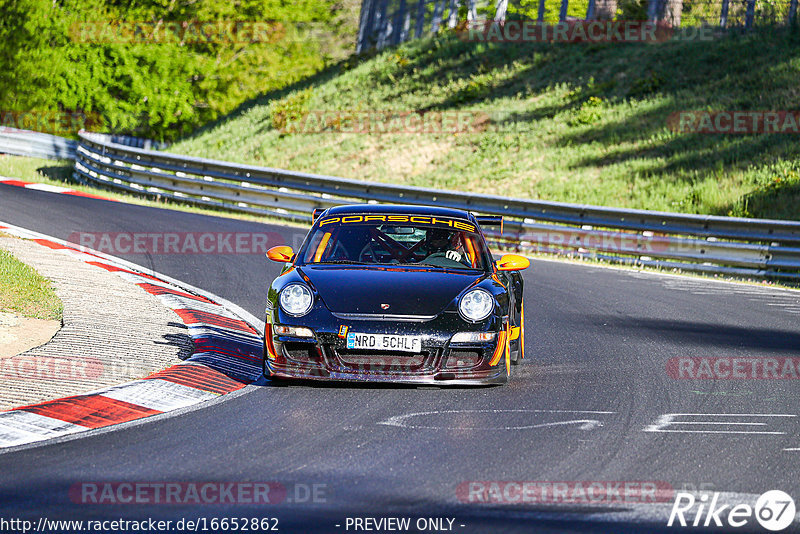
(69, 55)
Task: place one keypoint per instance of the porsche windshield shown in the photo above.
(397, 240)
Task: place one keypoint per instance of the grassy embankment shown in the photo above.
(570, 122)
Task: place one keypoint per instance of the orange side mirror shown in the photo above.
(512, 262)
(281, 254)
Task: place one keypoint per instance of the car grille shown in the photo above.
(389, 361)
(301, 352)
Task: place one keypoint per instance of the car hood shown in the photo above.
(407, 291)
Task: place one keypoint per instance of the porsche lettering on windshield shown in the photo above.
(413, 219)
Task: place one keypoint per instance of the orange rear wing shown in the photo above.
(316, 213)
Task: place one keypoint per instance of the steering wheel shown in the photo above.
(440, 259)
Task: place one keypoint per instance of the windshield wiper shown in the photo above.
(346, 262)
(420, 263)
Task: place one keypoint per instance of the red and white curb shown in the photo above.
(227, 357)
(50, 188)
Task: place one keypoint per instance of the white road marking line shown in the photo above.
(48, 188)
(669, 419)
(718, 432)
(585, 424)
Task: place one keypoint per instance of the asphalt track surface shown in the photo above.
(593, 381)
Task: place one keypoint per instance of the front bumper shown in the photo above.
(440, 362)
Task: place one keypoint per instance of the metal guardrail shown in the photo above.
(129, 140)
(35, 144)
(41, 145)
(742, 247)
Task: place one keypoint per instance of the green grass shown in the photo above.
(24, 291)
(575, 123)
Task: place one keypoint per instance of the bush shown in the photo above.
(161, 90)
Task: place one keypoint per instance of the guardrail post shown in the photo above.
(562, 16)
(751, 11)
(723, 16)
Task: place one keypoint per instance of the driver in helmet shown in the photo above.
(440, 242)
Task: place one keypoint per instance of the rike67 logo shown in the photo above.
(774, 510)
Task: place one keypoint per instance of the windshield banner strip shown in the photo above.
(411, 219)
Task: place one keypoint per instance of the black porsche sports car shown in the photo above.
(395, 293)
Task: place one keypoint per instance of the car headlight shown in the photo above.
(476, 305)
(296, 299)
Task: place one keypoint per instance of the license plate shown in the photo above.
(384, 342)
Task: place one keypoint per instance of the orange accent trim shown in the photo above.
(522, 332)
(270, 344)
(470, 250)
(496, 279)
(498, 351)
(515, 330)
(321, 247)
(508, 349)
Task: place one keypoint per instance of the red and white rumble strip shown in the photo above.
(49, 188)
(226, 357)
